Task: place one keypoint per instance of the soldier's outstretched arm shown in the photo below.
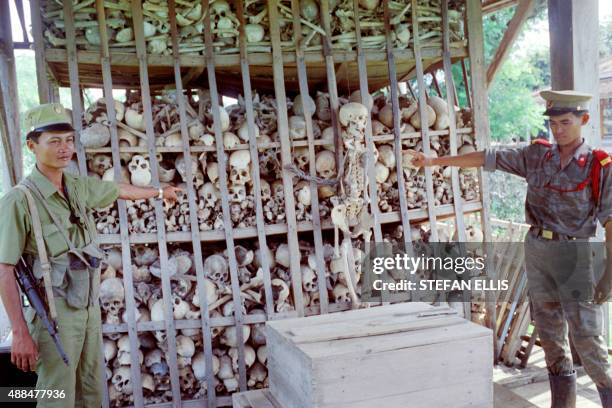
(513, 160)
(474, 159)
(24, 352)
(132, 192)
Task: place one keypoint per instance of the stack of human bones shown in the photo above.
(225, 23)
(342, 186)
(172, 165)
(342, 206)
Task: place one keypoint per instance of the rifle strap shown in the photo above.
(42, 250)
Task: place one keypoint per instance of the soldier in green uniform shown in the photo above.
(569, 190)
(64, 203)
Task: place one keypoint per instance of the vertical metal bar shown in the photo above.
(141, 52)
(365, 99)
(431, 205)
(250, 117)
(75, 92)
(227, 222)
(397, 143)
(44, 90)
(193, 213)
(130, 304)
(283, 134)
(303, 84)
(435, 82)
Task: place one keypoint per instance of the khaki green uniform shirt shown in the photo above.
(553, 201)
(16, 233)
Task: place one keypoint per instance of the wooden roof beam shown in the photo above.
(523, 11)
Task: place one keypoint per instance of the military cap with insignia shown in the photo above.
(561, 102)
(47, 117)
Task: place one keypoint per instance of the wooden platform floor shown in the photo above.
(526, 388)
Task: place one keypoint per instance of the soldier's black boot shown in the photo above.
(606, 397)
(563, 390)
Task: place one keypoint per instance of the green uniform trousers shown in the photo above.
(556, 314)
(80, 333)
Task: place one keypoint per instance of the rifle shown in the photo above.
(27, 283)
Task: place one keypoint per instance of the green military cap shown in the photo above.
(560, 102)
(50, 116)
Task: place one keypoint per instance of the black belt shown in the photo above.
(551, 235)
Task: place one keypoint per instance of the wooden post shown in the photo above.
(141, 50)
(10, 97)
(44, 89)
(126, 256)
(481, 129)
(223, 184)
(75, 91)
(523, 11)
(574, 58)
(193, 215)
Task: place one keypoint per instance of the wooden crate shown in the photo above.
(391, 356)
(255, 399)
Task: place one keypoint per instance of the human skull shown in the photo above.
(122, 380)
(382, 172)
(266, 192)
(249, 356)
(209, 194)
(181, 166)
(134, 119)
(341, 294)
(254, 33)
(211, 293)
(301, 157)
(298, 108)
(140, 171)
(309, 278)
(187, 379)
(199, 366)
(354, 114)
(325, 164)
(297, 127)
(230, 140)
(243, 132)
(386, 155)
(99, 163)
(212, 171)
(94, 136)
(282, 255)
(216, 268)
(230, 336)
(237, 193)
(240, 172)
(112, 295)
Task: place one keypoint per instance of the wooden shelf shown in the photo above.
(415, 215)
(125, 71)
(262, 146)
(220, 321)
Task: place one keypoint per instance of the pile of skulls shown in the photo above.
(225, 24)
(372, 23)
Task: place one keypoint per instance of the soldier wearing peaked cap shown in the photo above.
(569, 189)
(53, 207)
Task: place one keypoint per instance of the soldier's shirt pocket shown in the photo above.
(56, 244)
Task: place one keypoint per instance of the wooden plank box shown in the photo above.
(402, 355)
(254, 399)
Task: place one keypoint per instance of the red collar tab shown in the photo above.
(542, 142)
(582, 160)
(548, 155)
